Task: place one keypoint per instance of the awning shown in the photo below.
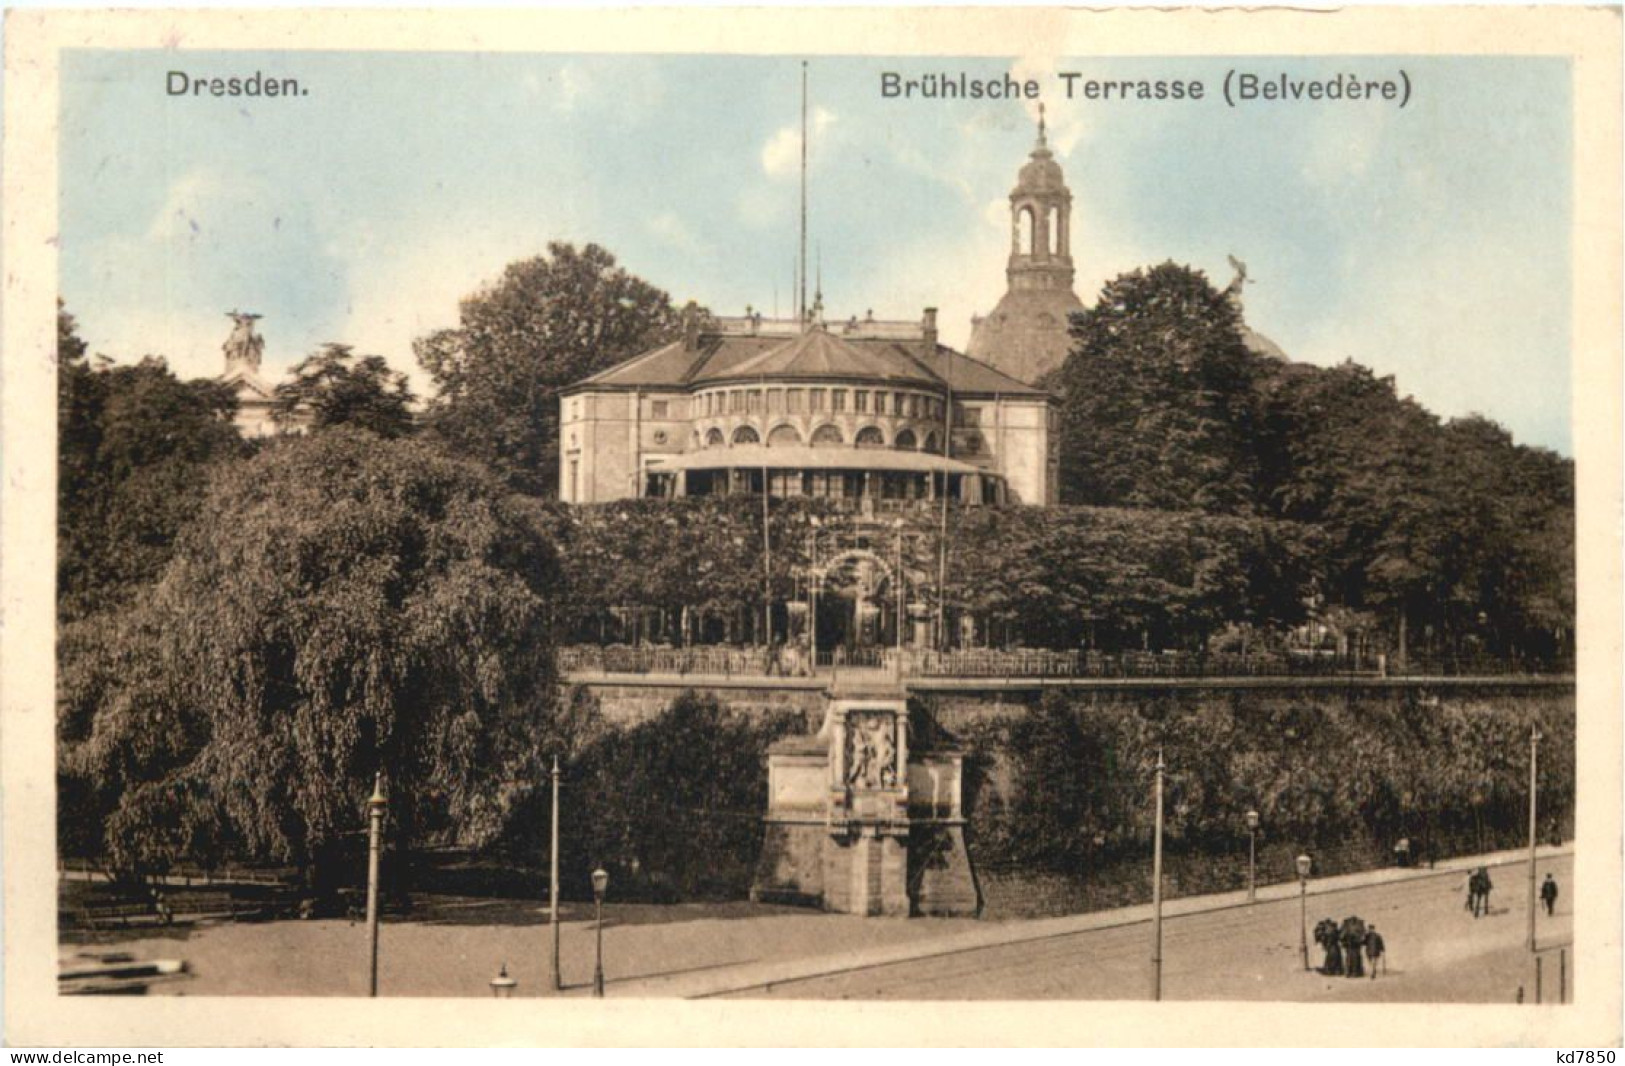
(801, 457)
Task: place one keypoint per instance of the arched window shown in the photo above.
(746, 435)
(714, 439)
(905, 440)
(869, 437)
(783, 437)
(931, 444)
(1055, 231)
(827, 435)
(1024, 231)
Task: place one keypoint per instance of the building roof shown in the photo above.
(857, 353)
(818, 354)
(248, 383)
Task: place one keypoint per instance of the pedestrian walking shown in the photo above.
(1374, 950)
(1353, 938)
(1326, 937)
(1484, 886)
(1548, 894)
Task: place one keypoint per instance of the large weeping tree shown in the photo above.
(342, 606)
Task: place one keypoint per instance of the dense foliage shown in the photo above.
(671, 807)
(1158, 391)
(1453, 537)
(134, 447)
(333, 388)
(1065, 785)
(549, 322)
(693, 569)
(341, 606)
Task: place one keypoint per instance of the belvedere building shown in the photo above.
(873, 412)
(858, 411)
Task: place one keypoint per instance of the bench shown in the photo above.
(202, 904)
(98, 916)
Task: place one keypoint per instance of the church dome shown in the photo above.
(1040, 174)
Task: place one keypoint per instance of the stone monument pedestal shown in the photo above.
(859, 825)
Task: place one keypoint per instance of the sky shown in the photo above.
(1430, 242)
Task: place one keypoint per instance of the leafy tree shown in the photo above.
(1071, 788)
(134, 444)
(1060, 787)
(549, 322)
(1452, 527)
(342, 605)
(1157, 406)
(333, 388)
(677, 801)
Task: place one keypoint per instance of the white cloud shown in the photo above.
(418, 285)
(672, 231)
(781, 155)
(1341, 153)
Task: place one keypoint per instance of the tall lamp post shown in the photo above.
(897, 524)
(767, 559)
(1252, 856)
(1303, 909)
(1534, 779)
(375, 843)
(553, 879)
(1156, 889)
(600, 882)
(812, 596)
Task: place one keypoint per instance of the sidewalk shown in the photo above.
(763, 975)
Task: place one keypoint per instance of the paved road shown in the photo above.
(1437, 953)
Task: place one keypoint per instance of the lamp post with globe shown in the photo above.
(1304, 863)
(600, 884)
(1252, 856)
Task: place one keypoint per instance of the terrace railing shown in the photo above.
(729, 661)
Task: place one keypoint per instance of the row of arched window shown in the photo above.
(825, 436)
(796, 399)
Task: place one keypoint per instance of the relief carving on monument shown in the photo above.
(871, 750)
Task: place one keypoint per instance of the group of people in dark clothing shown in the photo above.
(1349, 947)
(1352, 946)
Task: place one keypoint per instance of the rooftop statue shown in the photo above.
(244, 346)
(1233, 290)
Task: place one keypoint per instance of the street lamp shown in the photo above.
(1156, 888)
(375, 845)
(600, 883)
(1303, 909)
(812, 596)
(1252, 856)
(553, 880)
(897, 524)
(502, 985)
(1534, 784)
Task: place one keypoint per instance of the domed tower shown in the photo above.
(1026, 335)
